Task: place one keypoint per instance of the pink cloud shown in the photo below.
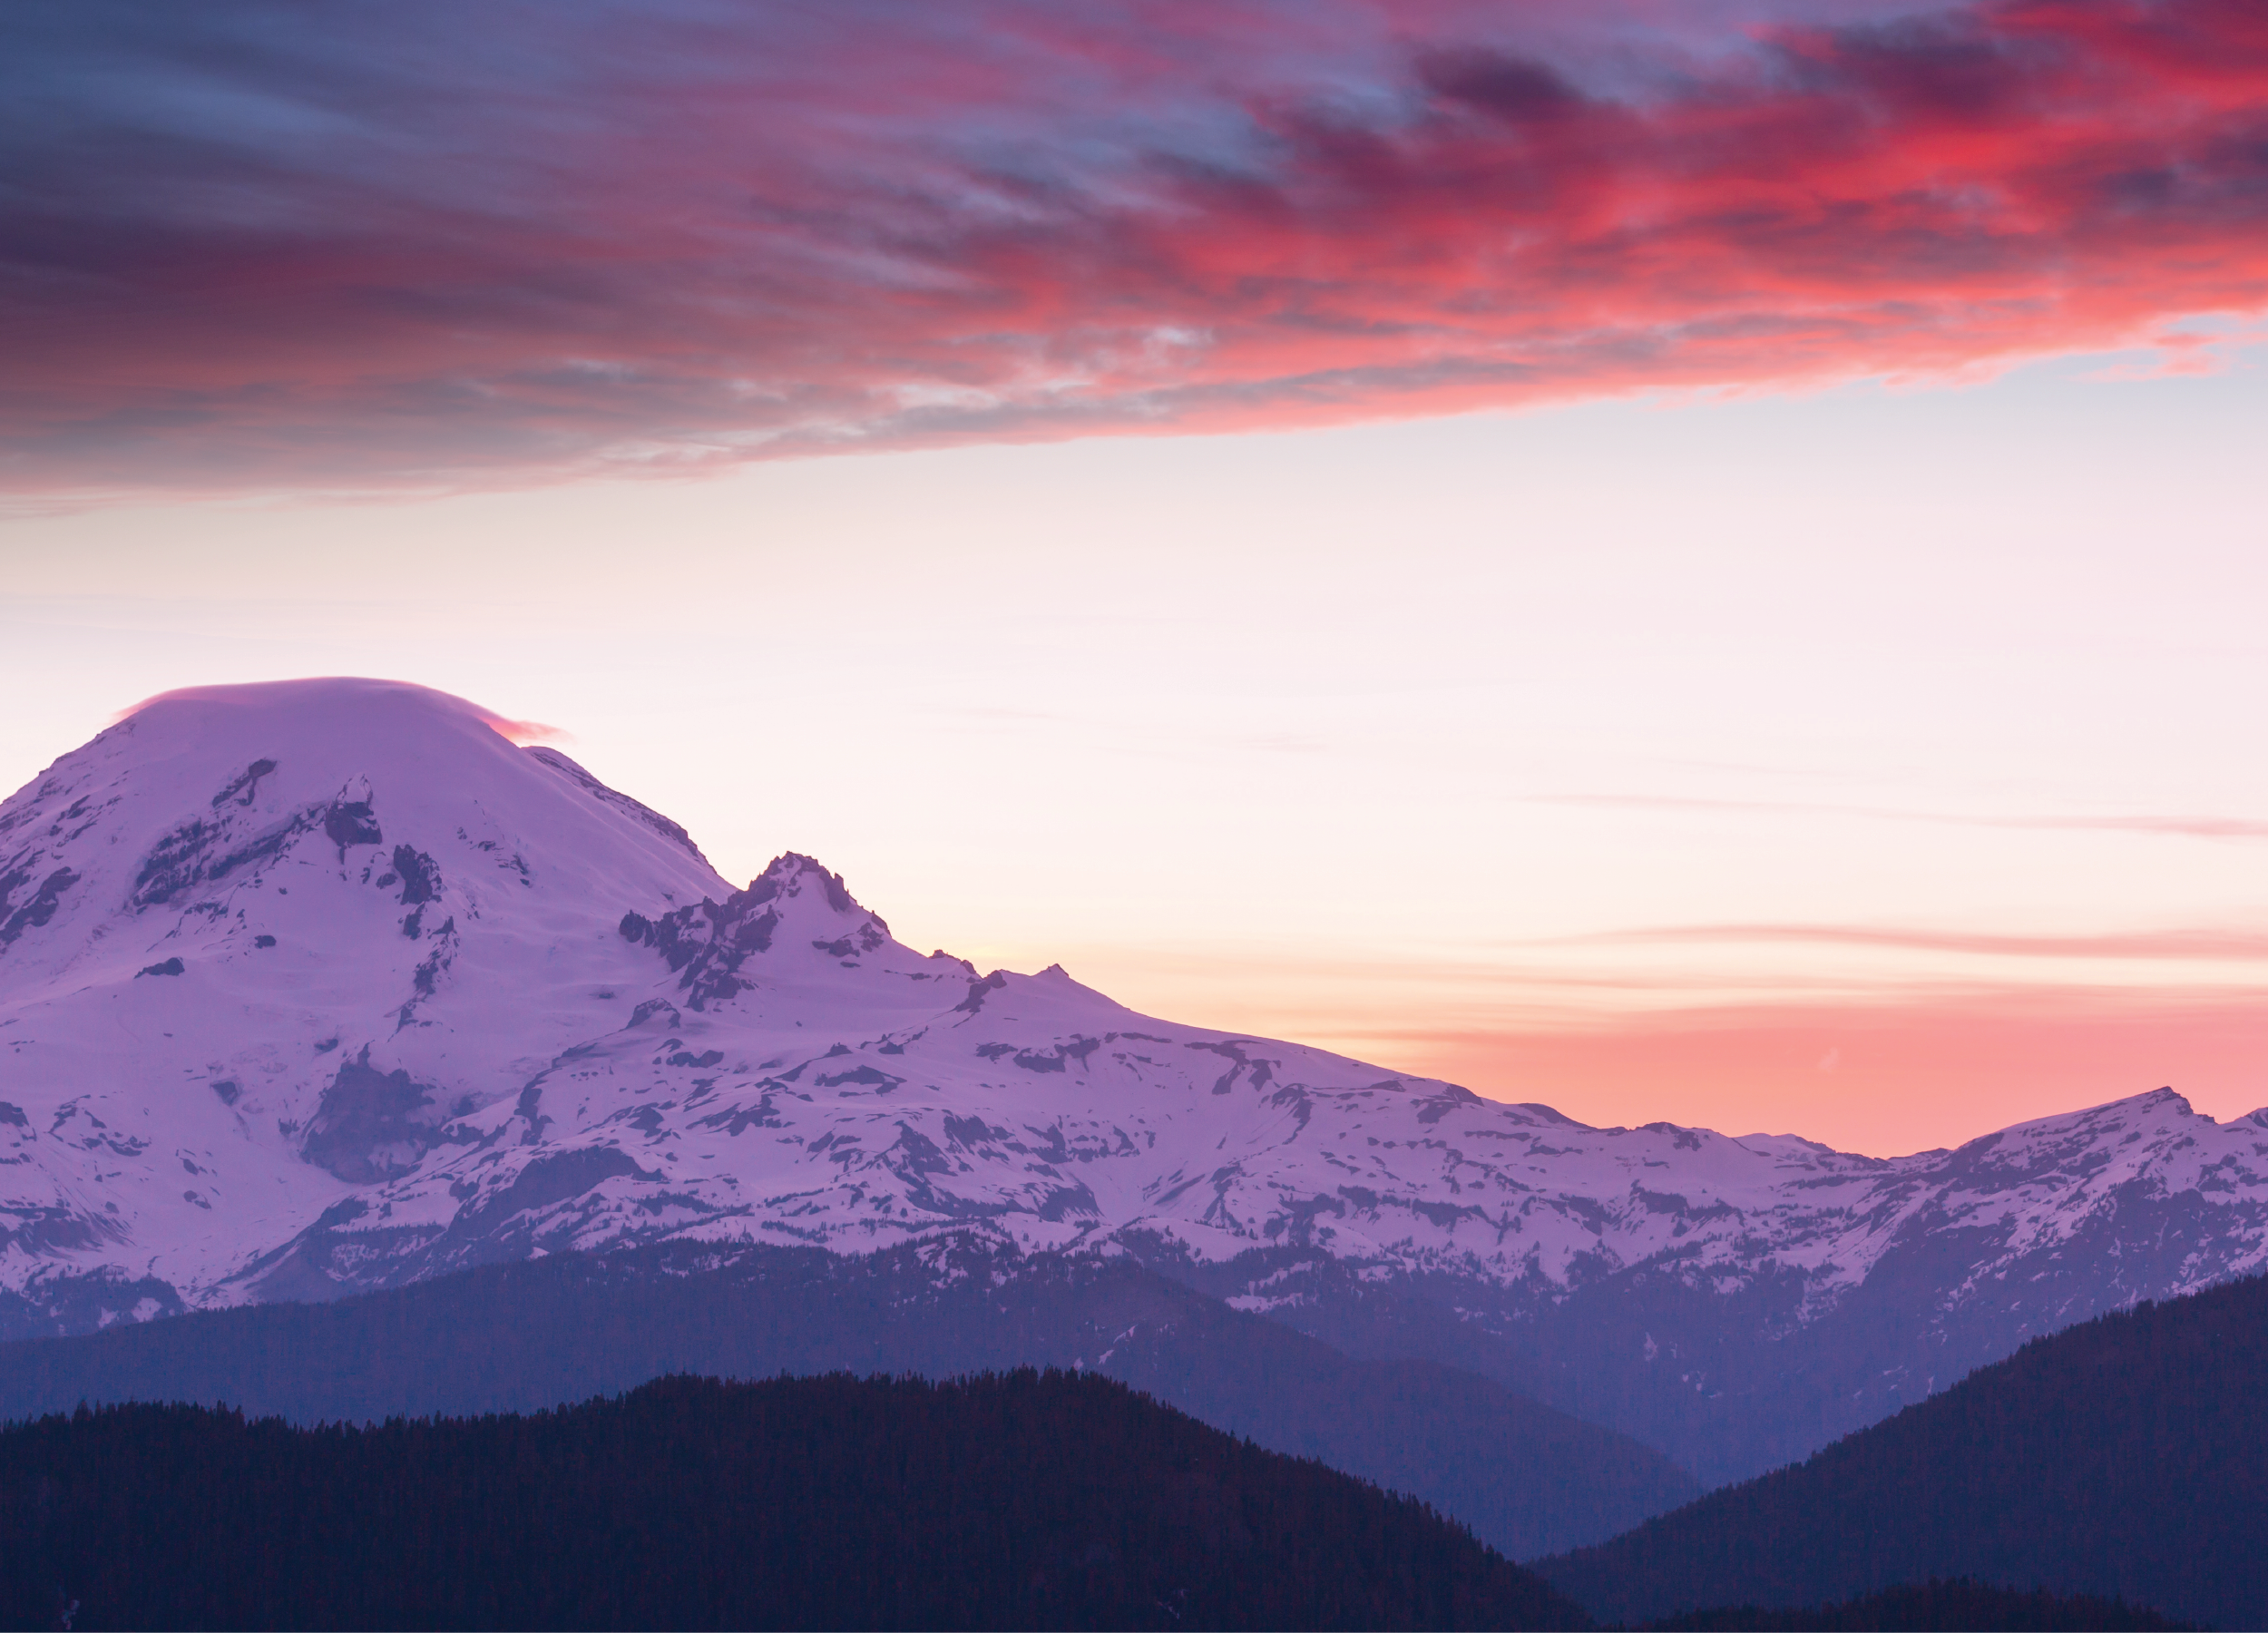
(527, 732)
(2186, 947)
(669, 241)
(520, 732)
(2171, 825)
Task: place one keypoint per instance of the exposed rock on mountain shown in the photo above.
(326, 985)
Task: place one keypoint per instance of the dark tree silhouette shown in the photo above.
(2125, 1457)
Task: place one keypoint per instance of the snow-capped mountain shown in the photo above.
(327, 985)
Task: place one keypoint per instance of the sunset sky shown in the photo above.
(1683, 560)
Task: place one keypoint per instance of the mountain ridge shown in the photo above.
(323, 986)
(2127, 1456)
(1028, 1500)
(530, 1334)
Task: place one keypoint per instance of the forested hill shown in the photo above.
(1956, 1606)
(515, 1337)
(1022, 1500)
(2127, 1456)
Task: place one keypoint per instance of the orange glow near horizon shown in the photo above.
(1880, 1079)
(1883, 1066)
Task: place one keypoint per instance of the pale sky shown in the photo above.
(1880, 765)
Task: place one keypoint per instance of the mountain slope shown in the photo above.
(2127, 1456)
(1023, 1502)
(527, 1336)
(989, 1504)
(1955, 1607)
(326, 986)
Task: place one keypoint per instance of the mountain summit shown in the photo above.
(328, 985)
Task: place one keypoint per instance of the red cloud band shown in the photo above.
(909, 244)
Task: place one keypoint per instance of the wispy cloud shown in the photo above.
(2183, 947)
(523, 733)
(2177, 826)
(254, 246)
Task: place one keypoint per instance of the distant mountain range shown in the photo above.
(324, 987)
(2127, 1456)
(532, 1333)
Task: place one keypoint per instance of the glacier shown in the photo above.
(322, 986)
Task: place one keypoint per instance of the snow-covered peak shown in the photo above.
(274, 898)
(1792, 1146)
(205, 802)
(332, 983)
(622, 802)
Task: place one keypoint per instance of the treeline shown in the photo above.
(516, 1338)
(2126, 1457)
(1024, 1500)
(1954, 1606)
